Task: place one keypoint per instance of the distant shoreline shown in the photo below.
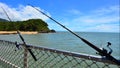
(15, 32)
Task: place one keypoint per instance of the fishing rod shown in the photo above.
(101, 52)
(6, 14)
(24, 43)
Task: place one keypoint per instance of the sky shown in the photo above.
(77, 15)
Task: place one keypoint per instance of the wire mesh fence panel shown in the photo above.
(51, 58)
(13, 57)
(10, 55)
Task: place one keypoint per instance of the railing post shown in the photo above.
(25, 58)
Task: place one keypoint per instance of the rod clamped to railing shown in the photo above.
(107, 55)
(24, 43)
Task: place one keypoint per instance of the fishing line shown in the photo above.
(119, 39)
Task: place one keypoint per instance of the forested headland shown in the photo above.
(28, 25)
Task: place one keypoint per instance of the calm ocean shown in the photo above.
(67, 41)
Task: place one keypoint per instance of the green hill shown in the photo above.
(28, 25)
(3, 20)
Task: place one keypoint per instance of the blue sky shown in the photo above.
(78, 15)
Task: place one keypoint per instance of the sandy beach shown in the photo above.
(15, 32)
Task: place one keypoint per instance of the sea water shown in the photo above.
(69, 42)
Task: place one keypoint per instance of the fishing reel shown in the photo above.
(17, 46)
(105, 50)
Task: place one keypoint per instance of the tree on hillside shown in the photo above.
(28, 25)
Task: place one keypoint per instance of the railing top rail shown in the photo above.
(68, 53)
(74, 54)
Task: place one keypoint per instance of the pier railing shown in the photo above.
(14, 56)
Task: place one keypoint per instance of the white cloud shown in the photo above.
(103, 15)
(103, 19)
(21, 12)
(104, 28)
(74, 11)
(107, 10)
(93, 20)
